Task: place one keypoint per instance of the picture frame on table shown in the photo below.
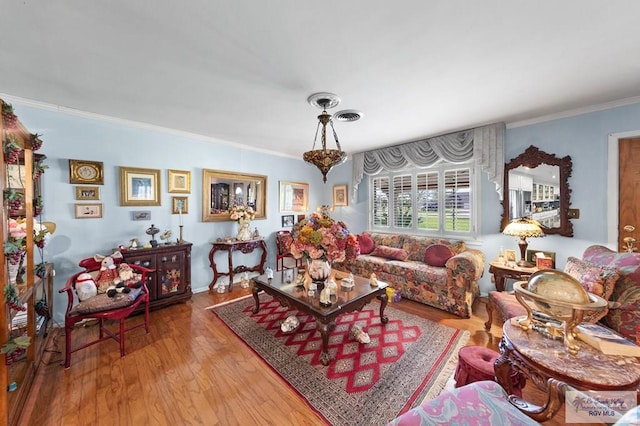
(179, 181)
(510, 255)
(287, 221)
(294, 197)
(87, 192)
(548, 260)
(88, 210)
(179, 205)
(340, 196)
(139, 187)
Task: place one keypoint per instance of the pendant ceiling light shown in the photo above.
(324, 159)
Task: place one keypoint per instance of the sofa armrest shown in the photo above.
(469, 263)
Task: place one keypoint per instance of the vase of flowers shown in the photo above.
(243, 215)
(322, 240)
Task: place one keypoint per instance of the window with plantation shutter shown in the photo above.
(435, 201)
(427, 200)
(402, 201)
(457, 187)
(380, 201)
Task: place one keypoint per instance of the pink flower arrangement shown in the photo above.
(321, 237)
(239, 213)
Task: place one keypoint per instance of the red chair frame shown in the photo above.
(119, 314)
(282, 253)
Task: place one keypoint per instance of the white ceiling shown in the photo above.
(241, 70)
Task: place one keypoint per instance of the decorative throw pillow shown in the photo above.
(390, 253)
(366, 243)
(597, 279)
(437, 255)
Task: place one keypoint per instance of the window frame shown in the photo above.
(440, 169)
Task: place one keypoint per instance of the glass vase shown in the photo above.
(319, 270)
(244, 230)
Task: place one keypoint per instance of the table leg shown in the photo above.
(230, 269)
(384, 299)
(499, 281)
(325, 329)
(504, 369)
(256, 290)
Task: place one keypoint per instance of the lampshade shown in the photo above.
(324, 159)
(523, 228)
(51, 226)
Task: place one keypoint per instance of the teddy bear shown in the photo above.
(125, 281)
(107, 274)
(85, 286)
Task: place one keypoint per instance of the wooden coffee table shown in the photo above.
(290, 295)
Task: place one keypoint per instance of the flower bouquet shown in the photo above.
(240, 213)
(321, 237)
(322, 240)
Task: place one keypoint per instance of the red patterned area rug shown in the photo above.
(407, 360)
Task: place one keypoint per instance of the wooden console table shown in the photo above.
(551, 368)
(241, 246)
(501, 272)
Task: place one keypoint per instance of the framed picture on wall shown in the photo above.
(287, 221)
(87, 192)
(88, 211)
(141, 215)
(340, 195)
(83, 171)
(180, 181)
(139, 187)
(294, 196)
(179, 205)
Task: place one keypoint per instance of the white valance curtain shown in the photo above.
(485, 145)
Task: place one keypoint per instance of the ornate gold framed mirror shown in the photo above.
(536, 185)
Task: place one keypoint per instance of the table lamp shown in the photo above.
(523, 227)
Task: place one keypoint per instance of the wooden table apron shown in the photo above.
(241, 246)
(325, 317)
(501, 272)
(546, 362)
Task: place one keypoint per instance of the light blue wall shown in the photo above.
(66, 136)
(72, 136)
(585, 139)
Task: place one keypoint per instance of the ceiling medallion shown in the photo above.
(324, 159)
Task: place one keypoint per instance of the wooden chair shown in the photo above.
(283, 251)
(103, 308)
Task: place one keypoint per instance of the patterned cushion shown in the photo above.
(507, 304)
(390, 253)
(437, 255)
(285, 243)
(391, 240)
(624, 317)
(366, 243)
(479, 403)
(102, 302)
(596, 279)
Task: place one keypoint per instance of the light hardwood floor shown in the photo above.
(190, 370)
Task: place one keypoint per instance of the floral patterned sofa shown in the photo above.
(437, 272)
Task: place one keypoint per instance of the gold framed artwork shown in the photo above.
(340, 195)
(83, 171)
(180, 181)
(294, 196)
(87, 192)
(179, 205)
(88, 211)
(139, 187)
(222, 190)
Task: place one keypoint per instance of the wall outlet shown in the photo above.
(573, 213)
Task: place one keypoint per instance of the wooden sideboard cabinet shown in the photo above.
(171, 281)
